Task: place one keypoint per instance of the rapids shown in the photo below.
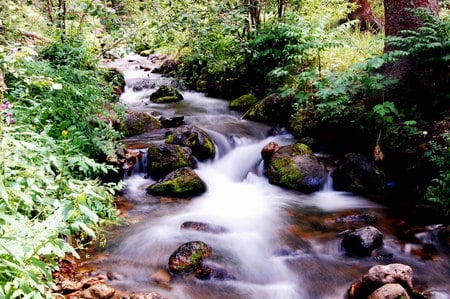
(278, 243)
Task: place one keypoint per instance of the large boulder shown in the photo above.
(182, 182)
(137, 123)
(243, 102)
(195, 138)
(188, 257)
(166, 94)
(165, 158)
(295, 167)
(355, 173)
(362, 241)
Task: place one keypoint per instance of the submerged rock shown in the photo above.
(166, 94)
(244, 102)
(362, 241)
(188, 257)
(182, 182)
(196, 139)
(205, 227)
(165, 158)
(138, 123)
(355, 173)
(295, 167)
(212, 272)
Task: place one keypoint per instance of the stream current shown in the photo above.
(278, 243)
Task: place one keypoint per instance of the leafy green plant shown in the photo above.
(51, 201)
(438, 190)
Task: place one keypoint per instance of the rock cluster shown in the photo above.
(384, 281)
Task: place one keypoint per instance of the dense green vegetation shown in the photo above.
(53, 146)
(55, 133)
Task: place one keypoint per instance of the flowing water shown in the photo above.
(277, 244)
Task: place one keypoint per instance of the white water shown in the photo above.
(256, 215)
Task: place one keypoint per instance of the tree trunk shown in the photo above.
(363, 13)
(399, 18)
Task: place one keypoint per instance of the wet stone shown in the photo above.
(188, 257)
(201, 226)
(362, 241)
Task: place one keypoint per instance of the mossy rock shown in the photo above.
(295, 167)
(244, 102)
(196, 139)
(183, 182)
(165, 158)
(166, 94)
(271, 110)
(357, 174)
(188, 257)
(137, 123)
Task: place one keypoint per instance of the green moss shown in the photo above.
(181, 183)
(287, 173)
(243, 102)
(301, 149)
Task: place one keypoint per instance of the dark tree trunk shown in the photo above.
(280, 8)
(363, 13)
(399, 18)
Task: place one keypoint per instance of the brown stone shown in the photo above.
(99, 291)
(392, 273)
(390, 291)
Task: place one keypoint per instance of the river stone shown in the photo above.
(295, 167)
(99, 291)
(182, 182)
(195, 138)
(165, 158)
(390, 291)
(355, 173)
(166, 94)
(188, 257)
(244, 102)
(362, 241)
(172, 122)
(393, 273)
(137, 123)
(204, 227)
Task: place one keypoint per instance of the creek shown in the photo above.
(277, 244)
